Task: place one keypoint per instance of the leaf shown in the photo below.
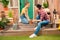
(10, 14)
(5, 3)
(45, 4)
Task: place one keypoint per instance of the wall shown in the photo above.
(1, 8)
(54, 4)
(58, 7)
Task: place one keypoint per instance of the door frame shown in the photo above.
(19, 9)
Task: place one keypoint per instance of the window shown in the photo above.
(13, 4)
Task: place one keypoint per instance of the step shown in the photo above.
(29, 31)
(33, 25)
(26, 25)
(20, 32)
(50, 31)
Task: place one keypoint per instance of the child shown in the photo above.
(24, 14)
(44, 20)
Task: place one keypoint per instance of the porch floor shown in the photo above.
(28, 30)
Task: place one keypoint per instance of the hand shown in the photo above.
(28, 19)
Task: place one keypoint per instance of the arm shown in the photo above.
(48, 17)
(27, 15)
(23, 11)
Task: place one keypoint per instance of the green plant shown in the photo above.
(45, 4)
(4, 22)
(5, 3)
(10, 13)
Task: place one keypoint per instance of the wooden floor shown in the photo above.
(28, 29)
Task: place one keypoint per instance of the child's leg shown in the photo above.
(38, 17)
(39, 26)
(24, 20)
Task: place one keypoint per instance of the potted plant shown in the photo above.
(4, 21)
(45, 4)
(31, 21)
(5, 4)
(2, 25)
(10, 14)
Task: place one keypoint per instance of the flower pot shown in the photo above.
(1, 28)
(30, 22)
(5, 8)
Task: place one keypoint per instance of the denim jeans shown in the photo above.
(38, 17)
(40, 24)
(24, 19)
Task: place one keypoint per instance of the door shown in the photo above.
(30, 10)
